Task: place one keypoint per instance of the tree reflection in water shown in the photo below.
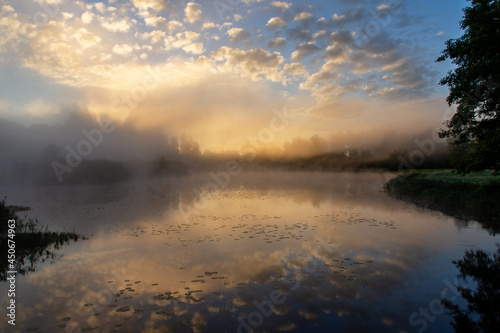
(483, 304)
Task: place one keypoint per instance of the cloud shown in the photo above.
(156, 5)
(152, 20)
(347, 17)
(121, 25)
(275, 23)
(328, 72)
(303, 16)
(174, 25)
(208, 25)
(154, 36)
(185, 41)
(281, 5)
(51, 2)
(87, 17)
(296, 68)
(100, 7)
(303, 50)
(86, 39)
(277, 43)
(123, 49)
(255, 63)
(192, 12)
(238, 35)
(297, 33)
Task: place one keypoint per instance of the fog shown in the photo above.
(103, 150)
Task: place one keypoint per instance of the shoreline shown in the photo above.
(474, 196)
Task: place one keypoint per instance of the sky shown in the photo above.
(221, 71)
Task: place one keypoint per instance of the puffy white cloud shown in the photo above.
(122, 25)
(328, 72)
(256, 63)
(151, 19)
(86, 39)
(303, 16)
(156, 5)
(123, 49)
(208, 25)
(174, 25)
(192, 12)
(238, 35)
(295, 68)
(50, 2)
(281, 5)
(382, 6)
(185, 41)
(87, 17)
(303, 50)
(101, 8)
(275, 23)
(194, 48)
(154, 36)
(67, 16)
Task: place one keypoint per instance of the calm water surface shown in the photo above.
(272, 252)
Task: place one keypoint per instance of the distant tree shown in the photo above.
(188, 146)
(51, 153)
(174, 145)
(5, 215)
(474, 86)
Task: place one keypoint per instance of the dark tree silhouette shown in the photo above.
(483, 304)
(474, 86)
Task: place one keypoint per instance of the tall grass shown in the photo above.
(34, 243)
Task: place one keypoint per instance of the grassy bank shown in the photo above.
(474, 195)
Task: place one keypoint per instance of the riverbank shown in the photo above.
(471, 196)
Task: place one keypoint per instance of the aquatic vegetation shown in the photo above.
(34, 242)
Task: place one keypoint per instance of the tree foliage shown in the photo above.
(474, 84)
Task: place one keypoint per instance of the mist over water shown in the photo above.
(82, 148)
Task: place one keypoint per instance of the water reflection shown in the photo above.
(482, 313)
(289, 252)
